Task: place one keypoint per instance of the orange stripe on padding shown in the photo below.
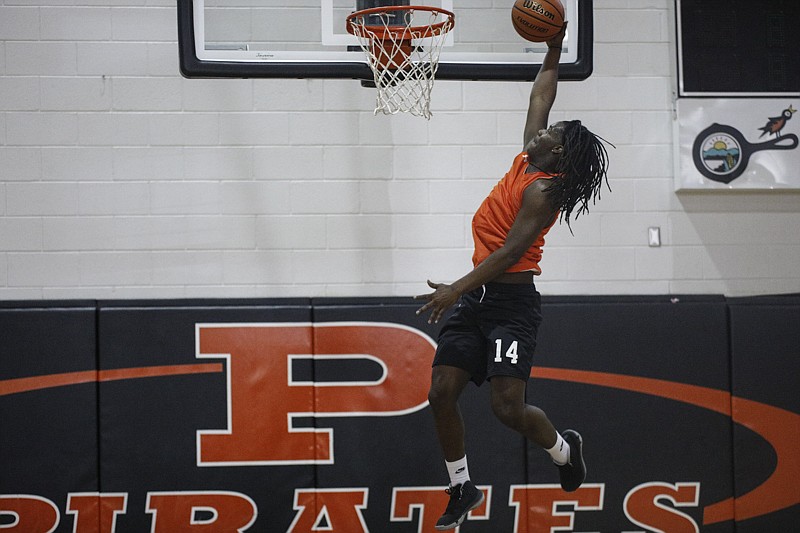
(779, 427)
(15, 386)
(712, 399)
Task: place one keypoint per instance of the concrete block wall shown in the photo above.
(120, 179)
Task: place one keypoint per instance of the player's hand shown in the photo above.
(558, 38)
(439, 301)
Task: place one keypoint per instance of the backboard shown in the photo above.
(308, 39)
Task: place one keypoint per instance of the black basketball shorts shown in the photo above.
(492, 332)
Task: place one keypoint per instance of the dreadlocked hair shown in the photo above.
(581, 171)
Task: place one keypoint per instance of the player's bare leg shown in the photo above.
(508, 404)
(447, 384)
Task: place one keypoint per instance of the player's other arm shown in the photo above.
(535, 214)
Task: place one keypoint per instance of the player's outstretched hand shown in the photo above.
(439, 301)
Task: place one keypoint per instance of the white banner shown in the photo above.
(741, 143)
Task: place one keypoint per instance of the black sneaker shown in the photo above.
(463, 499)
(573, 473)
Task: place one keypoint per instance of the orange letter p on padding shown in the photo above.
(264, 398)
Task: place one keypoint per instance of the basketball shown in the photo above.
(537, 20)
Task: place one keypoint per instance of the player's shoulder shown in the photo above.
(541, 183)
(536, 194)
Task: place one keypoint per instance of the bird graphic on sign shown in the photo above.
(776, 124)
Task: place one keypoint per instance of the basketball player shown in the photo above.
(492, 333)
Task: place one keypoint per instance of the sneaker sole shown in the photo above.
(463, 517)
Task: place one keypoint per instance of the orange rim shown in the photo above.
(403, 32)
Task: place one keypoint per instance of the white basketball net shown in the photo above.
(403, 58)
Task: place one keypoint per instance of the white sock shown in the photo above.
(458, 470)
(559, 452)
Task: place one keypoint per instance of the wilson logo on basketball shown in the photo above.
(533, 6)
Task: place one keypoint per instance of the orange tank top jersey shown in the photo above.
(494, 217)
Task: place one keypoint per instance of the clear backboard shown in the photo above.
(308, 39)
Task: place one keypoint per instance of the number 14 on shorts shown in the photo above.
(511, 352)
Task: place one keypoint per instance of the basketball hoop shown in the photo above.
(402, 44)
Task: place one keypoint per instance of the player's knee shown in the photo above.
(441, 395)
(509, 411)
(445, 388)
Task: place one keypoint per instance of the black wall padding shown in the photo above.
(311, 413)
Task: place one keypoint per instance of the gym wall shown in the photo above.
(311, 415)
(120, 179)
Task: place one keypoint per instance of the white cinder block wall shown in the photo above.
(120, 179)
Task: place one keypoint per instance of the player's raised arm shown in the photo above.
(543, 93)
